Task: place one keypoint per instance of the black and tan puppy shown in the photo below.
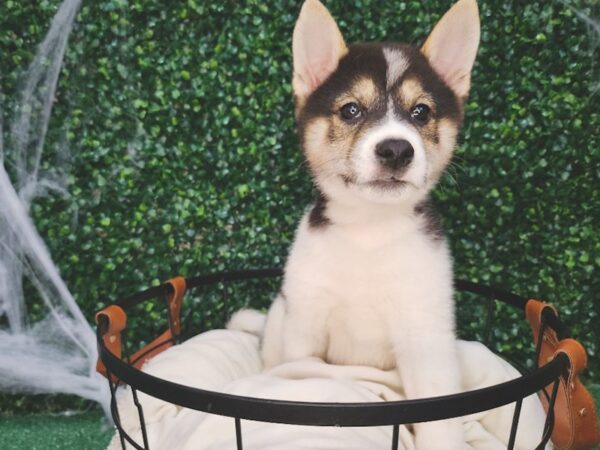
(369, 277)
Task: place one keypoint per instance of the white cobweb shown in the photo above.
(594, 27)
(58, 353)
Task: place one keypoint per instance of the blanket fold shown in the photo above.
(229, 361)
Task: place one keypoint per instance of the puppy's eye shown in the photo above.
(350, 111)
(420, 114)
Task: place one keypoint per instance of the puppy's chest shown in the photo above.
(362, 267)
(352, 288)
(361, 283)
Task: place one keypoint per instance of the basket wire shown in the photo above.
(536, 380)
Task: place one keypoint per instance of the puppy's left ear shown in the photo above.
(452, 46)
(317, 48)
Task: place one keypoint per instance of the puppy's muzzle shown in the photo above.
(394, 154)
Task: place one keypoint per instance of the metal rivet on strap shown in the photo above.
(582, 412)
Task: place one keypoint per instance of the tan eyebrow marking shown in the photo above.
(363, 91)
(412, 93)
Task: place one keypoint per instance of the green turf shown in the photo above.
(83, 431)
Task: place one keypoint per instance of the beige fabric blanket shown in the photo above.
(229, 361)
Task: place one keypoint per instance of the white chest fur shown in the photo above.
(351, 289)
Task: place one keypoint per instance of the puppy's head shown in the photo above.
(379, 121)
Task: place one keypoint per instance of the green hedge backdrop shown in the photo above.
(183, 156)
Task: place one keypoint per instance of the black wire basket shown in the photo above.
(559, 369)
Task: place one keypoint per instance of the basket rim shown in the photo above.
(329, 413)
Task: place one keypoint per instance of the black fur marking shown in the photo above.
(446, 104)
(433, 224)
(317, 217)
(368, 60)
(362, 60)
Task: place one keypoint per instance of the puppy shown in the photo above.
(369, 277)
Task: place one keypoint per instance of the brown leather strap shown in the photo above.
(117, 320)
(576, 422)
(143, 355)
(174, 302)
(165, 340)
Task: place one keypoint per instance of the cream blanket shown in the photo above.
(229, 361)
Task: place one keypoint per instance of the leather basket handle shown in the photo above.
(113, 317)
(166, 339)
(174, 303)
(116, 319)
(576, 420)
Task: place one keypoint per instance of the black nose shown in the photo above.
(394, 153)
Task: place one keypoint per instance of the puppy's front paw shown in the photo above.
(442, 435)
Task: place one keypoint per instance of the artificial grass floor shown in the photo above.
(78, 432)
(86, 431)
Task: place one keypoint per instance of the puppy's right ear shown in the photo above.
(452, 46)
(317, 47)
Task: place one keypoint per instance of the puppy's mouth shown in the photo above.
(388, 183)
(384, 183)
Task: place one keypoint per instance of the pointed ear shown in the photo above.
(317, 47)
(452, 46)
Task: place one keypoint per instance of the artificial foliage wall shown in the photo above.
(173, 132)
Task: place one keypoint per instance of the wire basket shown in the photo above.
(559, 360)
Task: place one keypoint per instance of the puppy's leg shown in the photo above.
(295, 330)
(305, 326)
(426, 356)
(429, 367)
(272, 344)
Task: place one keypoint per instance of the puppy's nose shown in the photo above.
(394, 153)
